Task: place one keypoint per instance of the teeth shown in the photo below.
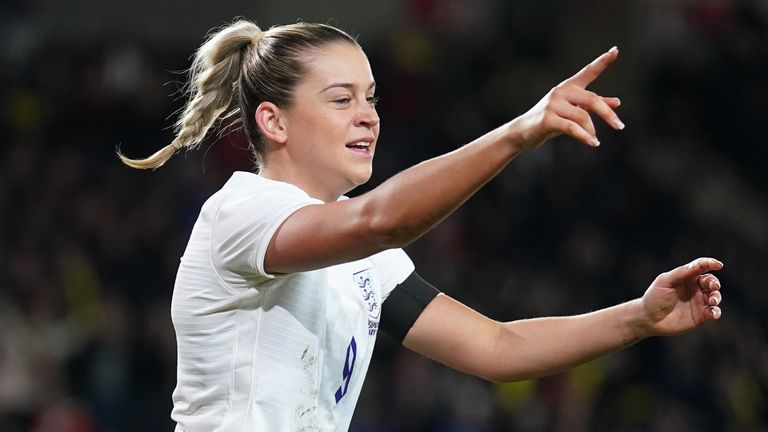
(362, 144)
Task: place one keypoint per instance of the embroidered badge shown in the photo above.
(364, 281)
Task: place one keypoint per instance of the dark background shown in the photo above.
(89, 248)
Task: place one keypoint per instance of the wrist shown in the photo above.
(638, 324)
(516, 136)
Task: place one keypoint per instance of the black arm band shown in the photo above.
(404, 305)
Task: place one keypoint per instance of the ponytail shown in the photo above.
(252, 66)
(212, 83)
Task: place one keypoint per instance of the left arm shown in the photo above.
(461, 338)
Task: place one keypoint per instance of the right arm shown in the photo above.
(410, 203)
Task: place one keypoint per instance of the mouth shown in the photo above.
(361, 147)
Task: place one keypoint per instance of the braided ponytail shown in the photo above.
(242, 62)
(212, 83)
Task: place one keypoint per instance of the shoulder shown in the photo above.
(393, 266)
(250, 194)
(246, 184)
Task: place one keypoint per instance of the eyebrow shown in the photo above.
(348, 86)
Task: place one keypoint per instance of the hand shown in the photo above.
(565, 109)
(684, 298)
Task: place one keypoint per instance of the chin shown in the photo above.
(365, 177)
(360, 179)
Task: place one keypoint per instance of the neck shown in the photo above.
(313, 188)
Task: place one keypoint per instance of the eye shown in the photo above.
(343, 100)
(373, 100)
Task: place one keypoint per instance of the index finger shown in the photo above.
(590, 72)
(700, 266)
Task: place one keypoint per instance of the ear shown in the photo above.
(271, 122)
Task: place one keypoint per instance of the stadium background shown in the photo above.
(89, 248)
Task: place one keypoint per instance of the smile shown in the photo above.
(360, 147)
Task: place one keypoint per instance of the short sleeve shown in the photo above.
(393, 266)
(246, 220)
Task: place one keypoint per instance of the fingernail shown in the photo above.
(618, 102)
(618, 124)
(613, 50)
(595, 141)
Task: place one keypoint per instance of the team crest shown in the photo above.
(364, 281)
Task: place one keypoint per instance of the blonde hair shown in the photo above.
(240, 59)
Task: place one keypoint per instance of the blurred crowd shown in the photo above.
(89, 248)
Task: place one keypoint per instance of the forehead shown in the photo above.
(338, 62)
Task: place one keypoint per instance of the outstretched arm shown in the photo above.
(412, 202)
(459, 337)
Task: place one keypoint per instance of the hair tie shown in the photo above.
(258, 38)
(177, 144)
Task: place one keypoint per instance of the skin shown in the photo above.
(336, 107)
(307, 146)
(677, 301)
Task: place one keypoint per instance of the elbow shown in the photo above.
(506, 376)
(509, 374)
(391, 234)
(500, 376)
(504, 379)
(505, 366)
(493, 378)
(387, 227)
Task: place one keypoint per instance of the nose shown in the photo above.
(366, 116)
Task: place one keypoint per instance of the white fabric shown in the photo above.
(263, 353)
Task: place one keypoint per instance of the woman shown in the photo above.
(285, 283)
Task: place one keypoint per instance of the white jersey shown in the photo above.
(263, 353)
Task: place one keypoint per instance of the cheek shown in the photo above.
(318, 131)
(308, 131)
(324, 128)
(321, 140)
